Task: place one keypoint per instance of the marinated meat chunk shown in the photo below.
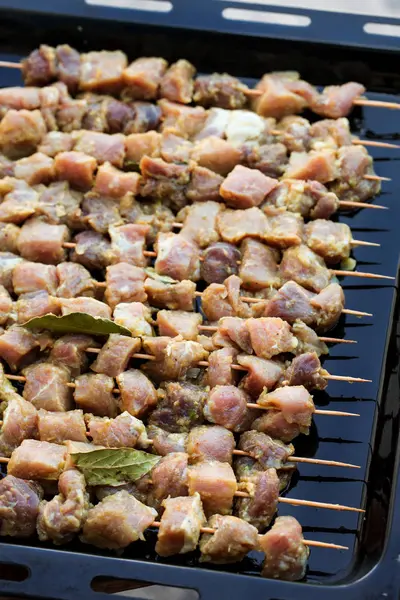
(180, 407)
(164, 442)
(291, 302)
(115, 355)
(305, 370)
(125, 431)
(9, 235)
(294, 402)
(220, 367)
(180, 525)
(93, 393)
(261, 373)
(37, 460)
(20, 202)
(258, 268)
(129, 242)
(138, 394)
(308, 340)
(55, 142)
(59, 204)
(8, 262)
(220, 260)
(17, 346)
(182, 120)
(277, 99)
(210, 443)
(216, 154)
(235, 225)
(286, 230)
(227, 406)
(199, 222)
(58, 427)
(73, 281)
(177, 257)
(285, 552)
(36, 304)
(35, 169)
(102, 491)
(41, 242)
(77, 168)
(100, 213)
(246, 126)
(70, 115)
(91, 306)
(296, 133)
(318, 165)
(231, 542)
(233, 331)
(102, 71)
(33, 277)
(216, 483)
(115, 183)
(6, 305)
(273, 423)
(19, 506)
(270, 336)
(135, 316)
(143, 77)
(70, 351)
(175, 296)
(204, 185)
(92, 250)
(178, 358)
(175, 148)
(21, 131)
(177, 83)
(337, 100)
(164, 181)
(63, 516)
(46, 386)
(19, 423)
(267, 451)
(260, 508)
(328, 305)
(124, 284)
(101, 146)
(170, 478)
(117, 521)
(40, 66)
(331, 133)
(305, 267)
(172, 323)
(147, 116)
(330, 240)
(245, 188)
(219, 89)
(139, 145)
(224, 300)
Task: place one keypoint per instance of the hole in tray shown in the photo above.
(135, 588)
(258, 16)
(151, 5)
(382, 29)
(12, 572)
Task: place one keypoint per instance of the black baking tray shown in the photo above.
(334, 49)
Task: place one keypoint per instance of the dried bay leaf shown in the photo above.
(77, 322)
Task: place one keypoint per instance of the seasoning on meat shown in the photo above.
(37, 460)
(19, 423)
(41, 242)
(227, 406)
(62, 517)
(77, 168)
(294, 402)
(21, 131)
(180, 525)
(177, 83)
(219, 89)
(285, 552)
(124, 284)
(139, 145)
(125, 431)
(115, 183)
(36, 304)
(260, 508)
(235, 225)
(164, 181)
(179, 356)
(220, 260)
(17, 346)
(169, 478)
(143, 77)
(245, 188)
(231, 542)
(270, 336)
(177, 257)
(216, 483)
(330, 240)
(19, 506)
(216, 154)
(117, 521)
(210, 442)
(204, 185)
(267, 451)
(9, 235)
(175, 296)
(233, 331)
(70, 350)
(114, 356)
(138, 394)
(92, 250)
(305, 267)
(57, 427)
(129, 242)
(55, 142)
(73, 281)
(93, 393)
(258, 268)
(135, 316)
(180, 407)
(164, 442)
(220, 367)
(102, 71)
(34, 276)
(100, 213)
(177, 322)
(39, 67)
(305, 370)
(277, 99)
(308, 340)
(90, 306)
(35, 169)
(199, 222)
(185, 121)
(318, 165)
(46, 386)
(337, 100)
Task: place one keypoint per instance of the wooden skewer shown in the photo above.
(376, 178)
(350, 204)
(292, 501)
(354, 141)
(375, 103)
